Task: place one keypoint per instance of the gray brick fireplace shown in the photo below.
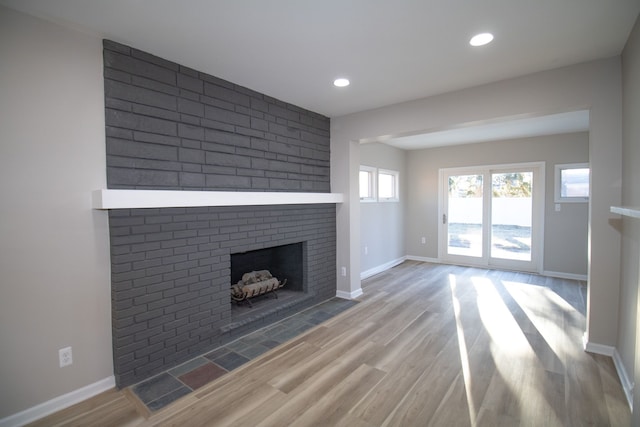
(169, 127)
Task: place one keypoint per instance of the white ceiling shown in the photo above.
(392, 51)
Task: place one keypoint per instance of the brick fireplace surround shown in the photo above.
(169, 127)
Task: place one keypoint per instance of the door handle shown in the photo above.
(444, 218)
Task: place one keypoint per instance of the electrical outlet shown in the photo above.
(66, 358)
(366, 250)
(343, 271)
(424, 240)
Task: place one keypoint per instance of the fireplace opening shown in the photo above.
(286, 263)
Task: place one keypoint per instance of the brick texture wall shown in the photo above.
(170, 127)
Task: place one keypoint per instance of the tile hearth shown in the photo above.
(163, 389)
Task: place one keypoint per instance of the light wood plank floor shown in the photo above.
(429, 345)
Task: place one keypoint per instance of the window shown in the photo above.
(367, 184)
(572, 183)
(378, 185)
(387, 185)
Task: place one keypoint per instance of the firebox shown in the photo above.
(284, 262)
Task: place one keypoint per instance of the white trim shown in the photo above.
(561, 275)
(383, 267)
(422, 259)
(630, 211)
(627, 384)
(141, 199)
(558, 274)
(605, 350)
(347, 295)
(58, 403)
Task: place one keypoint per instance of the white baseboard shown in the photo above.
(379, 269)
(560, 275)
(422, 259)
(607, 350)
(346, 295)
(58, 403)
(627, 384)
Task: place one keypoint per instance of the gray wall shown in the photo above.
(54, 249)
(170, 127)
(382, 224)
(565, 233)
(628, 332)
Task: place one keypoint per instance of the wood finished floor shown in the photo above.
(429, 345)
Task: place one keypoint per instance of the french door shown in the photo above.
(491, 216)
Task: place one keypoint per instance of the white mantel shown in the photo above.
(631, 211)
(140, 199)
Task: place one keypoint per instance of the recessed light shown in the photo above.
(481, 39)
(341, 82)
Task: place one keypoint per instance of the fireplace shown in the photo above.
(169, 127)
(172, 272)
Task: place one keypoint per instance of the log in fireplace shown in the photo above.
(257, 275)
(255, 284)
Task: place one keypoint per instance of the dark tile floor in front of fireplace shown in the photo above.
(160, 390)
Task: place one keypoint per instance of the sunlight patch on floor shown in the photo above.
(464, 354)
(538, 302)
(509, 343)
(498, 321)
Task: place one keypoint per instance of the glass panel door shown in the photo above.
(491, 215)
(463, 217)
(511, 215)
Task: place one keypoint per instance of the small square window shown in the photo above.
(572, 183)
(367, 184)
(387, 185)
